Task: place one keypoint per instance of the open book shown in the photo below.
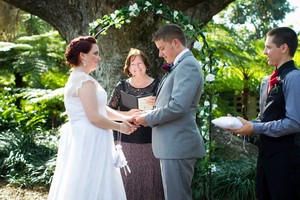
(139, 102)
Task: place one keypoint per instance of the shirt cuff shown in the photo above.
(257, 128)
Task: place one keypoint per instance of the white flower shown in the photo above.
(189, 26)
(175, 13)
(94, 24)
(147, 3)
(113, 16)
(210, 78)
(133, 8)
(132, 14)
(220, 64)
(159, 12)
(202, 112)
(206, 103)
(214, 106)
(213, 168)
(198, 45)
(207, 59)
(127, 21)
(206, 68)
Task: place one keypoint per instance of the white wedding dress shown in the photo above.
(85, 169)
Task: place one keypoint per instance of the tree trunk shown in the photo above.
(72, 17)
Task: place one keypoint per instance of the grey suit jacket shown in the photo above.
(175, 134)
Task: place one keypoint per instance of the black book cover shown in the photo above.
(138, 102)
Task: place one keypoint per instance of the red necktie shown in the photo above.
(273, 80)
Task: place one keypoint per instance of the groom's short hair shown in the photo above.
(285, 35)
(169, 32)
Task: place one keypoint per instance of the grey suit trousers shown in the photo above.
(177, 175)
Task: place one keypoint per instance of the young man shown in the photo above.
(278, 165)
(176, 139)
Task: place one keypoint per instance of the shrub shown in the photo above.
(227, 180)
(27, 158)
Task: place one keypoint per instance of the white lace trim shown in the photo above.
(76, 79)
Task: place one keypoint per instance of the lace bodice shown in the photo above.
(72, 102)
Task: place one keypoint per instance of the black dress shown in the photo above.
(144, 181)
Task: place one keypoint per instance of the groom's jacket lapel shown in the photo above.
(189, 53)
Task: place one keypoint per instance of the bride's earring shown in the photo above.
(84, 63)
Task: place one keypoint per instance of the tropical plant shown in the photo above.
(31, 104)
(27, 158)
(240, 65)
(32, 59)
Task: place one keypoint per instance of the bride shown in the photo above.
(85, 168)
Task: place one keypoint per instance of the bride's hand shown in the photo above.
(127, 128)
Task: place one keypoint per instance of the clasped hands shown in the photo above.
(137, 117)
(133, 120)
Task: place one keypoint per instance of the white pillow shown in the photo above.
(228, 122)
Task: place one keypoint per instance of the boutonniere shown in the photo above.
(166, 68)
(274, 82)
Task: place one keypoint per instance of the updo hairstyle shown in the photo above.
(77, 45)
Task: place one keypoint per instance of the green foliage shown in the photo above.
(297, 55)
(125, 15)
(241, 66)
(234, 180)
(33, 25)
(229, 180)
(31, 103)
(27, 158)
(239, 60)
(32, 57)
(31, 109)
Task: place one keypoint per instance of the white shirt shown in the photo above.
(179, 56)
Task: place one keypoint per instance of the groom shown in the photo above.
(176, 139)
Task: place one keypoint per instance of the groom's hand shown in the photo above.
(139, 119)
